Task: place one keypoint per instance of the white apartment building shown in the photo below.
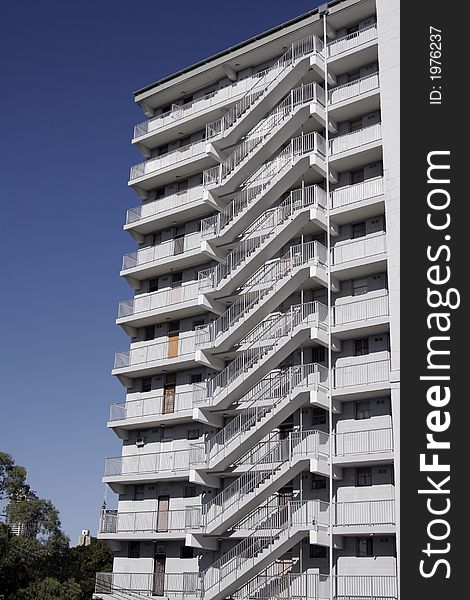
(260, 425)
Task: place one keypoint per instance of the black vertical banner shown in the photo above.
(435, 263)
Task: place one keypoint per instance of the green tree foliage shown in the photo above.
(44, 567)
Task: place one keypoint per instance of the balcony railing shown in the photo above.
(351, 194)
(173, 247)
(264, 177)
(352, 40)
(169, 159)
(153, 406)
(176, 586)
(297, 51)
(354, 88)
(364, 513)
(364, 247)
(164, 205)
(305, 94)
(140, 464)
(359, 138)
(377, 371)
(162, 521)
(168, 349)
(369, 441)
(360, 310)
(157, 300)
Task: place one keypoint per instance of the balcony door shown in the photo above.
(178, 240)
(159, 562)
(162, 513)
(173, 339)
(176, 289)
(169, 392)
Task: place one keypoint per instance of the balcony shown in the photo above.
(178, 253)
(163, 169)
(151, 525)
(359, 257)
(365, 316)
(151, 410)
(352, 50)
(358, 202)
(355, 98)
(353, 150)
(173, 303)
(363, 517)
(361, 377)
(161, 213)
(174, 586)
(369, 446)
(141, 468)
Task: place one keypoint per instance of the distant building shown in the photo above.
(29, 530)
(84, 538)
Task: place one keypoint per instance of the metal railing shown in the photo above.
(356, 193)
(155, 521)
(300, 96)
(156, 462)
(353, 88)
(171, 585)
(152, 406)
(262, 284)
(262, 179)
(361, 373)
(262, 230)
(364, 247)
(160, 299)
(358, 138)
(297, 51)
(364, 513)
(174, 247)
(368, 441)
(163, 205)
(167, 160)
(307, 444)
(352, 40)
(279, 330)
(168, 349)
(360, 310)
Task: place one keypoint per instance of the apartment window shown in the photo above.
(186, 552)
(363, 410)
(192, 434)
(139, 491)
(196, 378)
(357, 176)
(355, 125)
(163, 149)
(318, 416)
(145, 384)
(354, 76)
(198, 324)
(317, 482)
(361, 346)
(173, 327)
(178, 231)
(156, 238)
(133, 550)
(359, 287)
(176, 279)
(153, 285)
(353, 29)
(318, 354)
(363, 476)
(166, 108)
(190, 491)
(358, 229)
(365, 546)
(149, 333)
(159, 193)
(318, 551)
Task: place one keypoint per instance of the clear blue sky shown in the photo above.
(67, 77)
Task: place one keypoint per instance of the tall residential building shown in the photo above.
(22, 528)
(84, 539)
(259, 431)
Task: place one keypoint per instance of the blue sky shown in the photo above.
(67, 77)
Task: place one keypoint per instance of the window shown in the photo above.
(196, 378)
(353, 29)
(363, 410)
(186, 552)
(156, 238)
(176, 279)
(318, 416)
(178, 231)
(354, 76)
(363, 476)
(318, 482)
(159, 193)
(192, 434)
(198, 323)
(173, 327)
(365, 546)
(139, 491)
(166, 108)
(318, 551)
(162, 150)
(358, 230)
(357, 176)
(361, 346)
(355, 125)
(133, 550)
(145, 384)
(153, 285)
(190, 491)
(149, 333)
(359, 287)
(318, 354)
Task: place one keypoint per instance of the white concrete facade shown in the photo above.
(260, 423)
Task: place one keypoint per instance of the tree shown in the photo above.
(12, 478)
